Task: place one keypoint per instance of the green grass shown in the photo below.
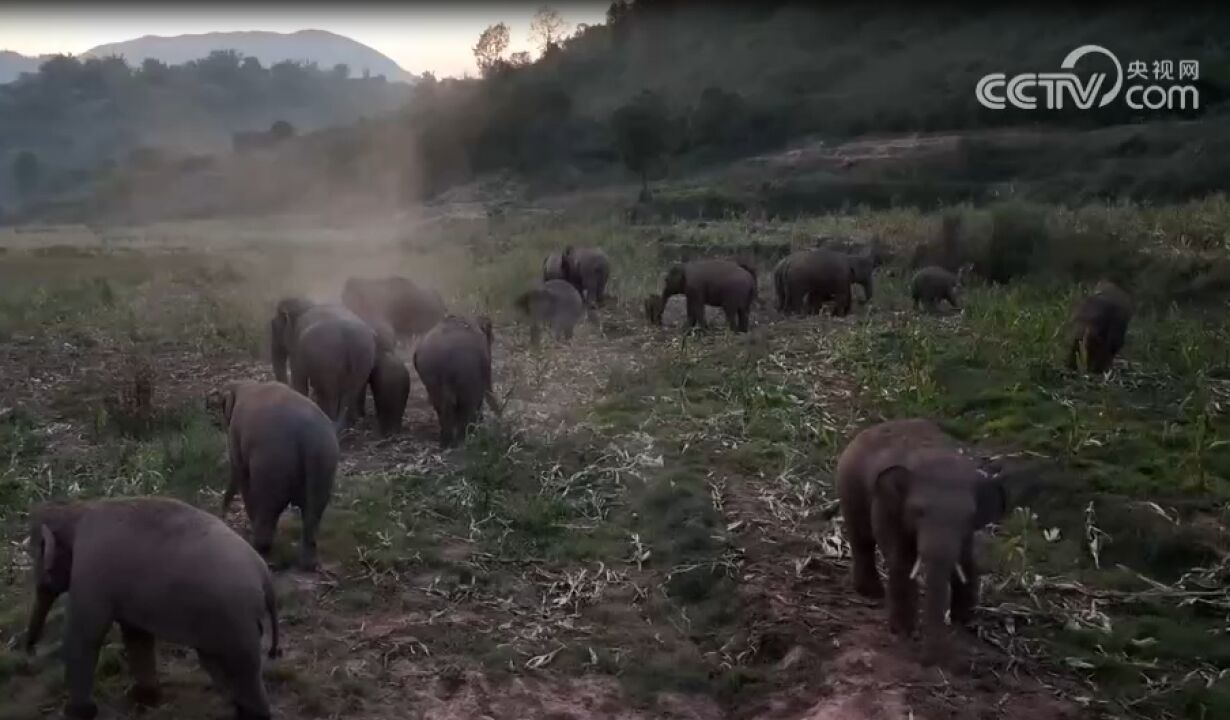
(605, 547)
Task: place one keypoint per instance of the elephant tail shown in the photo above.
(271, 607)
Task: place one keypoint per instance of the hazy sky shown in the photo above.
(418, 36)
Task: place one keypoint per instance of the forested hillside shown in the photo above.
(667, 90)
(71, 122)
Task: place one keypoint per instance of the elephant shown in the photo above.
(588, 269)
(1098, 327)
(556, 304)
(407, 308)
(282, 451)
(932, 284)
(904, 486)
(331, 352)
(163, 570)
(390, 388)
(862, 267)
(714, 282)
(453, 361)
(553, 267)
(807, 279)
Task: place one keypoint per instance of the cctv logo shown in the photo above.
(1027, 90)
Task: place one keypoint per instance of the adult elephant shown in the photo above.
(453, 361)
(282, 451)
(805, 280)
(904, 486)
(407, 308)
(588, 269)
(162, 570)
(714, 282)
(331, 352)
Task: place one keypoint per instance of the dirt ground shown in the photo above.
(829, 654)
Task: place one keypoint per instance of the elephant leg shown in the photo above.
(312, 514)
(965, 594)
(856, 521)
(696, 311)
(242, 668)
(238, 480)
(83, 638)
(842, 305)
(139, 647)
(264, 523)
(744, 319)
(535, 334)
(213, 667)
(298, 375)
(732, 317)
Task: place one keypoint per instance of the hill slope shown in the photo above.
(12, 65)
(326, 49)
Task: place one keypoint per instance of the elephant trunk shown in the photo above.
(43, 601)
(941, 566)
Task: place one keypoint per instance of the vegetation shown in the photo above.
(652, 512)
(78, 114)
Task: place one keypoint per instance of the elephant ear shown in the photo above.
(47, 553)
(228, 402)
(892, 485)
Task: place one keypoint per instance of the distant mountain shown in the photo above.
(12, 65)
(326, 49)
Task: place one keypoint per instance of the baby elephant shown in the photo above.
(903, 486)
(283, 451)
(163, 570)
(932, 284)
(556, 304)
(453, 361)
(1098, 327)
(713, 282)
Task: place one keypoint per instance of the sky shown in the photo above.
(436, 37)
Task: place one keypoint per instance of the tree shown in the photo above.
(492, 43)
(520, 59)
(280, 130)
(341, 71)
(26, 172)
(640, 129)
(547, 28)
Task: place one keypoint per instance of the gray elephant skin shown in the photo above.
(331, 352)
(714, 282)
(805, 280)
(587, 268)
(453, 361)
(931, 285)
(283, 451)
(556, 304)
(390, 389)
(1099, 326)
(409, 309)
(164, 571)
(904, 487)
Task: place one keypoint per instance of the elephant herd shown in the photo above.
(904, 486)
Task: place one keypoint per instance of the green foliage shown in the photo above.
(640, 129)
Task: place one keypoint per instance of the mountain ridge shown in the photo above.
(322, 47)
